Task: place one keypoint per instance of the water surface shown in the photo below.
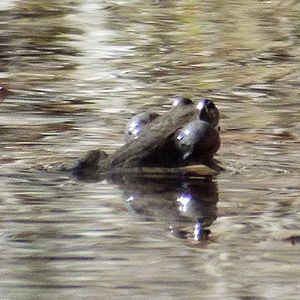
(79, 70)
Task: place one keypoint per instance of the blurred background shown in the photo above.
(78, 71)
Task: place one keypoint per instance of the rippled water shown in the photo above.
(79, 70)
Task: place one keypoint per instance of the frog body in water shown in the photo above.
(155, 147)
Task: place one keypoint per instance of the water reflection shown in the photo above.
(35, 51)
(173, 202)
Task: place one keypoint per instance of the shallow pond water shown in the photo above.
(79, 70)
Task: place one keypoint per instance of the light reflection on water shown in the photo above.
(79, 71)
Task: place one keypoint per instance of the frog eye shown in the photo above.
(181, 101)
(136, 125)
(208, 112)
(198, 140)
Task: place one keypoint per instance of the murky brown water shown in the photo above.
(79, 70)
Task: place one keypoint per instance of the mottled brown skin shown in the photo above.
(149, 150)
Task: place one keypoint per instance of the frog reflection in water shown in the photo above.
(185, 135)
(175, 202)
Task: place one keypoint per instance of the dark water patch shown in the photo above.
(294, 239)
